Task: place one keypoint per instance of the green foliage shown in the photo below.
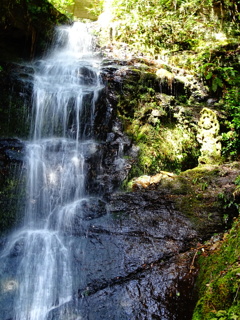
(231, 102)
(157, 25)
(217, 76)
(237, 181)
(62, 5)
(230, 207)
(225, 315)
(97, 7)
(230, 143)
(220, 72)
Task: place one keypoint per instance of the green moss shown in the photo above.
(205, 172)
(162, 130)
(219, 279)
(163, 148)
(196, 195)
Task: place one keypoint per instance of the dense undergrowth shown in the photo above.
(160, 27)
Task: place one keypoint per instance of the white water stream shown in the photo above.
(66, 86)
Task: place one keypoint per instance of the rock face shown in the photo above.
(131, 260)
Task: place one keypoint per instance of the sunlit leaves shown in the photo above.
(62, 5)
(153, 26)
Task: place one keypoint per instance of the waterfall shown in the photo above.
(81, 250)
(66, 87)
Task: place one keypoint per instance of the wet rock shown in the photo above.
(134, 267)
(11, 150)
(165, 79)
(11, 182)
(145, 295)
(116, 154)
(132, 259)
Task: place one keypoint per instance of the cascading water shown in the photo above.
(66, 87)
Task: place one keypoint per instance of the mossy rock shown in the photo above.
(201, 189)
(167, 140)
(219, 278)
(204, 194)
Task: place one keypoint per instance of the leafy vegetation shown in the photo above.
(151, 26)
(230, 139)
(219, 77)
(97, 7)
(62, 5)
